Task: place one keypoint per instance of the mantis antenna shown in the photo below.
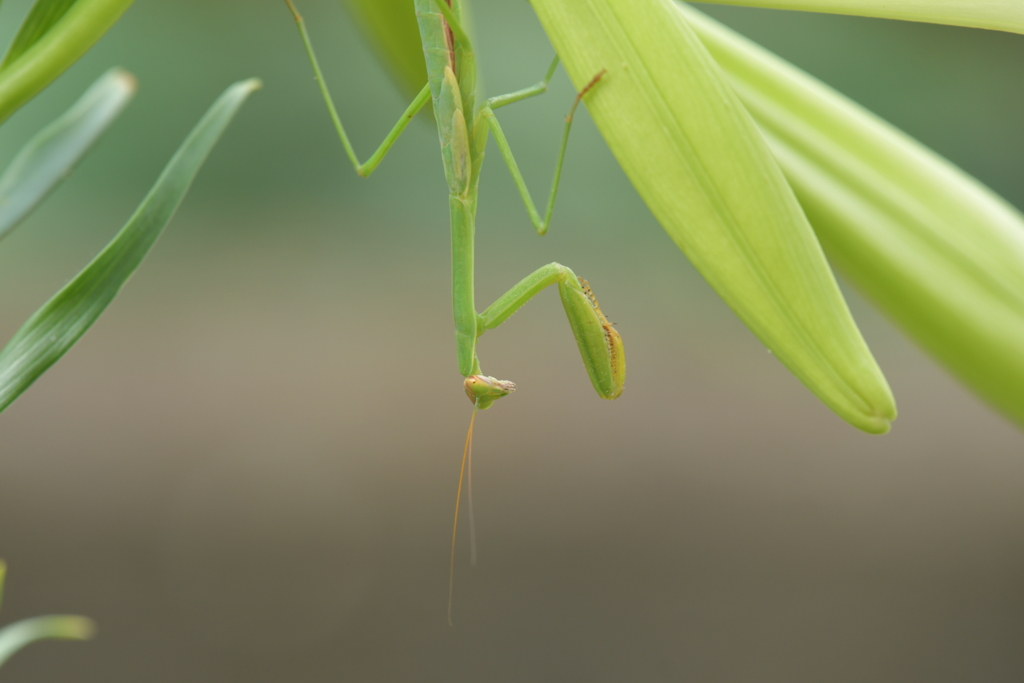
(466, 451)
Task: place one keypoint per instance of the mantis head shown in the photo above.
(483, 391)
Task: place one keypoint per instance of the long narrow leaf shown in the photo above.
(933, 247)
(1000, 15)
(65, 41)
(49, 157)
(55, 327)
(43, 15)
(15, 636)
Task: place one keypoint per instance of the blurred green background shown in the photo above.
(246, 470)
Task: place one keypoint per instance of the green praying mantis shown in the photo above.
(463, 129)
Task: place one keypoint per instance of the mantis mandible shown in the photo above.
(463, 129)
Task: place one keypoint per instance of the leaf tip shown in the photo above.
(251, 85)
(77, 628)
(125, 79)
(879, 421)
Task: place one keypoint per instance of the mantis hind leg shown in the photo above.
(362, 168)
(487, 114)
(539, 88)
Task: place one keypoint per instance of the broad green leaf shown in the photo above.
(55, 327)
(49, 157)
(43, 15)
(940, 253)
(1000, 15)
(15, 636)
(695, 156)
(390, 26)
(67, 40)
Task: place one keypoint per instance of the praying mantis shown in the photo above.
(463, 129)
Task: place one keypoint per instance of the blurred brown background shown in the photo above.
(246, 470)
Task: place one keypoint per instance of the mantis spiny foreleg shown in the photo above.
(599, 343)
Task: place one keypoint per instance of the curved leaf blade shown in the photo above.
(15, 636)
(55, 327)
(43, 15)
(62, 44)
(50, 156)
(391, 29)
(935, 249)
(702, 167)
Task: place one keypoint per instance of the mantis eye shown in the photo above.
(483, 390)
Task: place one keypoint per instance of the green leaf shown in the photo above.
(15, 636)
(695, 156)
(55, 327)
(939, 252)
(49, 156)
(65, 41)
(1000, 15)
(43, 15)
(390, 27)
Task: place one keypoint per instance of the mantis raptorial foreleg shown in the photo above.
(362, 168)
(599, 343)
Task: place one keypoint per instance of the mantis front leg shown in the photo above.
(599, 343)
